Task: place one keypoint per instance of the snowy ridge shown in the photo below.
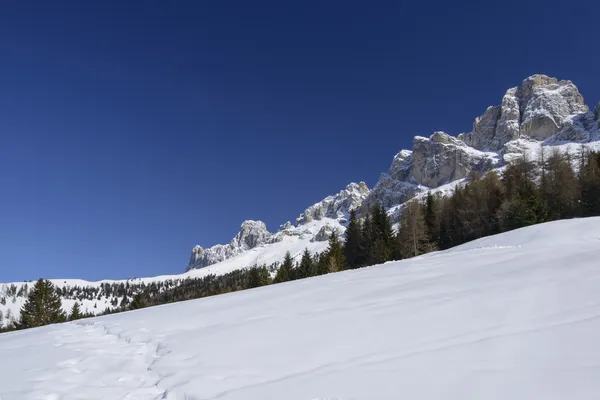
(254, 233)
(511, 316)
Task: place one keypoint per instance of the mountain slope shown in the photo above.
(512, 316)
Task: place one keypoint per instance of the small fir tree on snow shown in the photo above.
(75, 312)
(305, 269)
(284, 273)
(43, 306)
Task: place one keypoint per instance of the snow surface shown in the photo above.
(512, 316)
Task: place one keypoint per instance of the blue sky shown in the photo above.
(131, 131)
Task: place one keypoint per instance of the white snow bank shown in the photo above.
(513, 316)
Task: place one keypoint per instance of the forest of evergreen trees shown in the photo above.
(557, 186)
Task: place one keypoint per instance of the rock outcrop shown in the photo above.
(251, 235)
(337, 206)
(441, 159)
(538, 109)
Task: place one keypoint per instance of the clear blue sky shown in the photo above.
(131, 131)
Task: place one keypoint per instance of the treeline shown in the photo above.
(556, 186)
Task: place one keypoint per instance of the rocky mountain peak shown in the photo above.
(538, 108)
(251, 235)
(337, 206)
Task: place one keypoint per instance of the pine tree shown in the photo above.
(335, 254)
(75, 312)
(305, 269)
(43, 306)
(353, 244)
(284, 273)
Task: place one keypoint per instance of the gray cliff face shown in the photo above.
(441, 159)
(538, 109)
(337, 206)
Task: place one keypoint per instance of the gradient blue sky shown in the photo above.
(131, 131)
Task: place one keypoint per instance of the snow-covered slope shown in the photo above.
(513, 316)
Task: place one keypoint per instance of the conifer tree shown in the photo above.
(284, 273)
(322, 264)
(305, 269)
(43, 306)
(258, 276)
(367, 239)
(140, 300)
(353, 243)
(589, 183)
(412, 237)
(335, 254)
(75, 312)
(431, 218)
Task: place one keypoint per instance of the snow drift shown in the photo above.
(512, 316)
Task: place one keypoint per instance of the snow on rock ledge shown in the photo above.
(337, 206)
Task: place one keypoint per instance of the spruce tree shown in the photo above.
(43, 306)
(75, 312)
(353, 243)
(305, 269)
(383, 236)
(322, 264)
(284, 273)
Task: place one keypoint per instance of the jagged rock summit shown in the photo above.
(251, 235)
(538, 108)
(541, 110)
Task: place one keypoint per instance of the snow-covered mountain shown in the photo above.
(540, 112)
(512, 316)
